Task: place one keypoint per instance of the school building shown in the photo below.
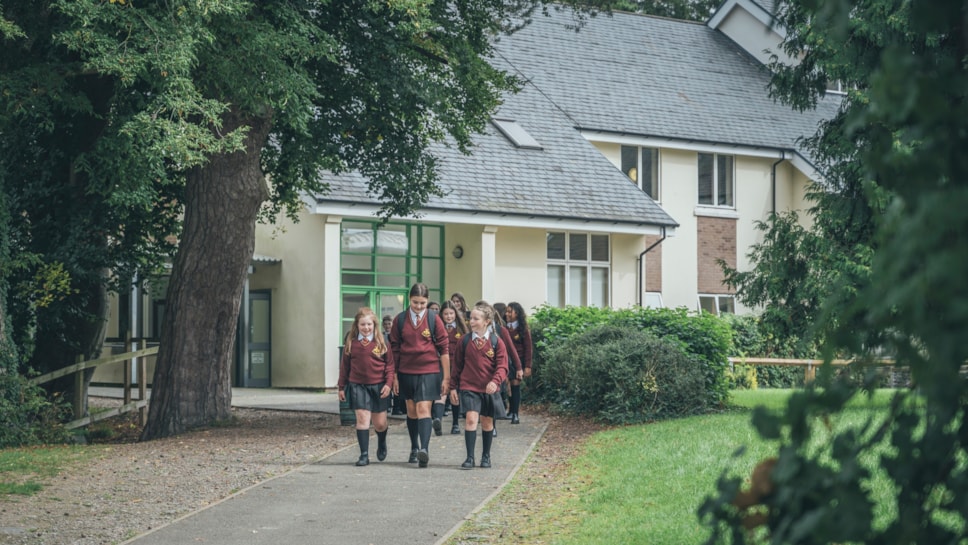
(639, 153)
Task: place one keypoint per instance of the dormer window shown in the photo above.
(641, 165)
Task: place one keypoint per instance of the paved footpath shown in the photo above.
(332, 501)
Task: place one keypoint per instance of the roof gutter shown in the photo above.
(639, 262)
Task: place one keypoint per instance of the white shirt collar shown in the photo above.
(513, 325)
(361, 336)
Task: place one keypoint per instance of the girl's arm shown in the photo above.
(528, 349)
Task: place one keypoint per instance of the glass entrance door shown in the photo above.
(259, 371)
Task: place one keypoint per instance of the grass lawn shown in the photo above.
(24, 470)
(643, 484)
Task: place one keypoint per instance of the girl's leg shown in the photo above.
(437, 413)
(455, 428)
(380, 425)
(515, 401)
(487, 438)
(422, 408)
(363, 436)
(412, 430)
(470, 438)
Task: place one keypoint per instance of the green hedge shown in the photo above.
(703, 341)
(27, 417)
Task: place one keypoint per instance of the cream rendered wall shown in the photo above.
(296, 286)
(678, 171)
(625, 281)
(754, 202)
(521, 267)
(464, 274)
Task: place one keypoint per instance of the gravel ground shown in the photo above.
(132, 487)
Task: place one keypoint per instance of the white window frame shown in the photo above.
(636, 176)
(731, 192)
(570, 264)
(718, 300)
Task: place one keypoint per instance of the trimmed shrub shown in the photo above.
(623, 375)
(704, 336)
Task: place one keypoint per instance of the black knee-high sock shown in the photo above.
(488, 437)
(515, 398)
(455, 411)
(437, 411)
(424, 425)
(381, 439)
(470, 441)
(363, 438)
(412, 429)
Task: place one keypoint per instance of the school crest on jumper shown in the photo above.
(376, 351)
(517, 336)
(425, 333)
(457, 336)
(490, 352)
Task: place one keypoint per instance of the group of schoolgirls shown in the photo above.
(427, 359)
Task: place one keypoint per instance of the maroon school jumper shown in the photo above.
(522, 345)
(455, 337)
(362, 366)
(415, 353)
(515, 360)
(476, 366)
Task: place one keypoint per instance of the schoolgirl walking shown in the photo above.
(480, 366)
(456, 330)
(419, 343)
(517, 325)
(366, 376)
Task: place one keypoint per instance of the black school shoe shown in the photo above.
(423, 458)
(455, 430)
(437, 427)
(485, 460)
(381, 452)
(515, 419)
(468, 463)
(364, 460)
(413, 456)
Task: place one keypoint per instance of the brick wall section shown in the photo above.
(717, 240)
(653, 264)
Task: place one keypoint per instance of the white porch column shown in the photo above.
(488, 263)
(332, 323)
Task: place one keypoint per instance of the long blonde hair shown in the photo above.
(354, 332)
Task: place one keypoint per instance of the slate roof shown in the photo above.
(627, 73)
(657, 77)
(567, 178)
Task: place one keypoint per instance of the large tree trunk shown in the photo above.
(192, 382)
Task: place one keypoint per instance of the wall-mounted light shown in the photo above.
(458, 251)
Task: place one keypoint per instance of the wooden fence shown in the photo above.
(137, 357)
(809, 366)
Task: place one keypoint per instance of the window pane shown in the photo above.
(630, 162)
(726, 305)
(351, 305)
(432, 241)
(650, 172)
(392, 240)
(724, 175)
(599, 291)
(556, 245)
(578, 286)
(556, 285)
(390, 305)
(578, 247)
(707, 304)
(390, 271)
(653, 300)
(356, 239)
(259, 328)
(705, 178)
(600, 248)
(430, 274)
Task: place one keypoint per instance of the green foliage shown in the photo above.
(898, 181)
(690, 10)
(623, 375)
(27, 417)
(25, 470)
(703, 337)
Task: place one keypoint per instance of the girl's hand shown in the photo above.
(385, 391)
(342, 395)
(444, 388)
(454, 400)
(491, 388)
(520, 374)
(396, 386)
(527, 371)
